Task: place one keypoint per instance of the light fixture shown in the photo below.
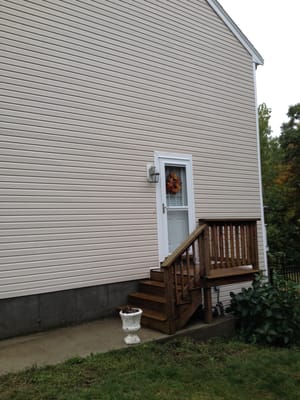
(152, 174)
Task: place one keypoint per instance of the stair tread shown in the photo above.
(157, 315)
(154, 315)
(147, 296)
(151, 282)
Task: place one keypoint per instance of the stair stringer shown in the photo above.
(186, 311)
(152, 298)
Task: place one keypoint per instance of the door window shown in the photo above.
(176, 205)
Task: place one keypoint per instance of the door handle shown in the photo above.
(163, 208)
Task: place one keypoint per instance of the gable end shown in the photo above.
(219, 10)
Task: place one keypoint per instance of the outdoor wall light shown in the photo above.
(152, 174)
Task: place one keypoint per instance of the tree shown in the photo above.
(290, 177)
(272, 191)
(281, 183)
(290, 143)
(270, 150)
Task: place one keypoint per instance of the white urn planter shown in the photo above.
(131, 323)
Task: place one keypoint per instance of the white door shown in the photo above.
(175, 201)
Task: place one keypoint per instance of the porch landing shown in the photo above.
(52, 347)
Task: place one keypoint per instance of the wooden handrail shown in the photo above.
(230, 244)
(227, 220)
(181, 249)
(216, 249)
(182, 274)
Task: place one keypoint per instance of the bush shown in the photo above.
(268, 313)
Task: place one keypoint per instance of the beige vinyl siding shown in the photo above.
(225, 291)
(89, 90)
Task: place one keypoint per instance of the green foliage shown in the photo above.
(269, 146)
(268, 313)
(280, 159)
(290, 144)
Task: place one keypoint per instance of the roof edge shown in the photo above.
(219, 10)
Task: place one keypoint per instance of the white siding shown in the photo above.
(89, 90)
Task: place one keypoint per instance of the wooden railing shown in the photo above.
(218, 252)
(230, 255)
(229, 244)
(182, 274)
(184, 266)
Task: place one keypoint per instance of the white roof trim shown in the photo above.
(256, 57)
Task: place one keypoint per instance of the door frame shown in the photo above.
(160, 159)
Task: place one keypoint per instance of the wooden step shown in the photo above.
(148, 301)
(147, 313)
(155, 320)
(156, 275)
(151, 299)
(157, 315)
(152, 287)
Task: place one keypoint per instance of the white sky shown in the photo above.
(273, 27)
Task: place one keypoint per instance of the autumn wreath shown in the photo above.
(173, 183)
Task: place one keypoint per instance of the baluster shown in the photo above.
(243, 249)
(221, 245)
(194, 261)
(226, 227)
(237, 245)
(207, 251)
(188, 268)
(232, 252)
(249, 255)
(215, 245)
(175, 277)
(201, 250)
(255, 249)
(182, 278)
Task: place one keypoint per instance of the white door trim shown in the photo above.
(180, 159)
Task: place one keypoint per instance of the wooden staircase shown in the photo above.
(216, 253)
(152, 298)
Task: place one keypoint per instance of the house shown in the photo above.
(100, 100)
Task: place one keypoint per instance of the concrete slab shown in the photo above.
(54, 346)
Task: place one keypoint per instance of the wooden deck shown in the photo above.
(218, 252)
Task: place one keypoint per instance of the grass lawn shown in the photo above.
(180, 369)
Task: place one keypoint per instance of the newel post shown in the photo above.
(170, 299)
(204, 249)
(207, 290)
(255, 262)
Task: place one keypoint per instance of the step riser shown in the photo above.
(143, 303)
(159, 291)
(162, 326)
(157, 275)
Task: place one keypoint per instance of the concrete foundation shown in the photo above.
(29, 314)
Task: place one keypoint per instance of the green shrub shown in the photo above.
(268, 313)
